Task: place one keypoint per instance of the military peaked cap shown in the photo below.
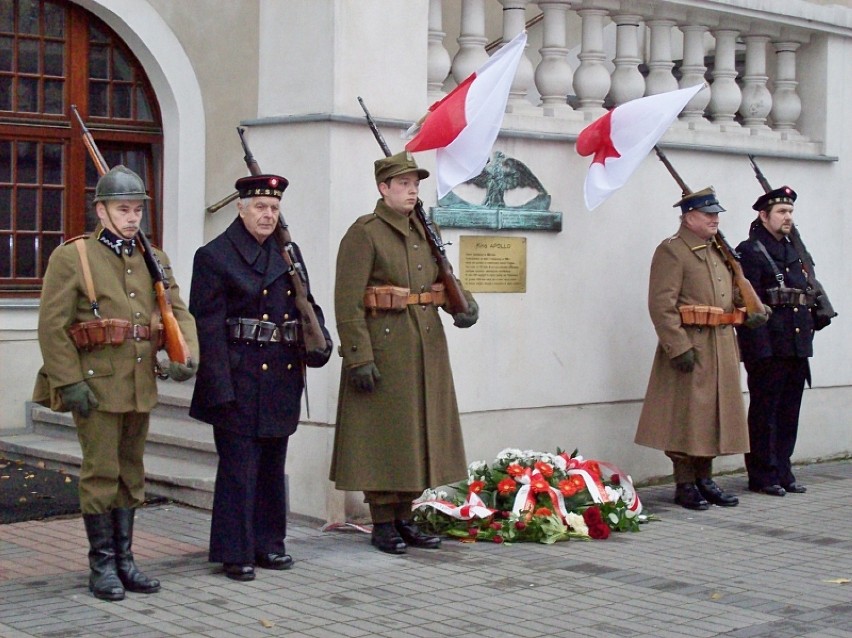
(703, 201)
(261, 186)
(398, 164)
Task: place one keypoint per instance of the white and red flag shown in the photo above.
(465, 123)
(622, 138)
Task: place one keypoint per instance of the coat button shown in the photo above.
(416, 246)
(289, 366)
(137, 314)
(264, 367)
(91, 373)
(265, 317)
(132, 295)
(289, 292)
(796, 309)
(354, 348)
(138, 359)
(387, 331)
(286, 316)
(419, 266)
(265, 292)
(797, 331)
(129, 271)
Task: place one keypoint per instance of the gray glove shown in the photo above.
(684, 362)
(467, 319)
(757, 319)
(365, 377)
(78, 397)
(180, 372)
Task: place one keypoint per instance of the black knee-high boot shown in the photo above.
(104, 582)
(132, 579)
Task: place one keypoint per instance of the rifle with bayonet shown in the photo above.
(176, 346)
(312, 334)
(823, 310)
(751, 300)
(456, 301)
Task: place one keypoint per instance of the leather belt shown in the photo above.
(399, 298)
(96, 333)
(259, 331)
(696, 315)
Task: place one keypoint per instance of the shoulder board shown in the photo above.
(673, 237)
(73, 239)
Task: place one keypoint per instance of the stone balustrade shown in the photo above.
(596, 54)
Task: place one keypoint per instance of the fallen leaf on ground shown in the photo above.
(267, 623)
(838, 581)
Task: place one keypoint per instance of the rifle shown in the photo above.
(456, 301)
(752, 302)
(312, 334)
(176, 346)
(824, 312)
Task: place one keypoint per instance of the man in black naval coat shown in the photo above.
(250, 383)
(776, 354)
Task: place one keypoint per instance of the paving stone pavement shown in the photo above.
(770, 568)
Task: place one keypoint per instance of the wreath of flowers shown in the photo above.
(529, 496)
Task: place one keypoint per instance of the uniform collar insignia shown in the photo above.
(116, 244)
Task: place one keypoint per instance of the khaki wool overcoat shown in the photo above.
(699, 413)
(405, 435)
(121, 377)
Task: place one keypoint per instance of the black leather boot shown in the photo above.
(714, 494)
(103, 578)
(688, 496)
(412, 535)
(387, 539)
(132, 579)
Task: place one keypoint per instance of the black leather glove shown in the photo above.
(78, 397)
(180, 372)
(757, 319)
(318, 358)
(467, 319)
(365, 377)
(684, 362)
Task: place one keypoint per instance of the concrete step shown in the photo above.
(180, 480)
(180, 456)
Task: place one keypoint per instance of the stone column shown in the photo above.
(553, 75)
(725, 95)
(514, 22)
(757, 101)
(627, 82)
(438, 58)
(660, 78)
(471, 54)
(786, 103)
(591, 80)
(692, 72)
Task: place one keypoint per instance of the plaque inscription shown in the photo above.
(493, 263)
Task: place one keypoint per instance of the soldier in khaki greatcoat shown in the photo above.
(693, 407)
(99, 358)
(398, 428)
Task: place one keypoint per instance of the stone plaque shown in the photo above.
(493, 263)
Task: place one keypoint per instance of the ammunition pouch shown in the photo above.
(396, 298)
(249, 330)
(783, 296)
(88, 335)
(696, 315)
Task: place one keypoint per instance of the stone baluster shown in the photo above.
(514, 21)
(660, 64)
(591, 80)
(471, 54)
(692, 73)
(725, 94)
(553, 75)
(437, 56)
(786, 103)
(627, 81)
(757, 101)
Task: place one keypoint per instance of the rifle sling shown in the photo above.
(87, 274)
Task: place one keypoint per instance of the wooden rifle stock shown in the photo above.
(456, 301)
(751, 300)
(176, 346)
(312, 335)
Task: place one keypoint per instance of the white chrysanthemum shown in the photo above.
(560, 463)
(576, 522)
(509, 454)
(427, 495)
(443, 495)
(613, 493)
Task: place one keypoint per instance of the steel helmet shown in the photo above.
(120, 183)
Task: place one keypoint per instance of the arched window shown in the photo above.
(54, 54)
